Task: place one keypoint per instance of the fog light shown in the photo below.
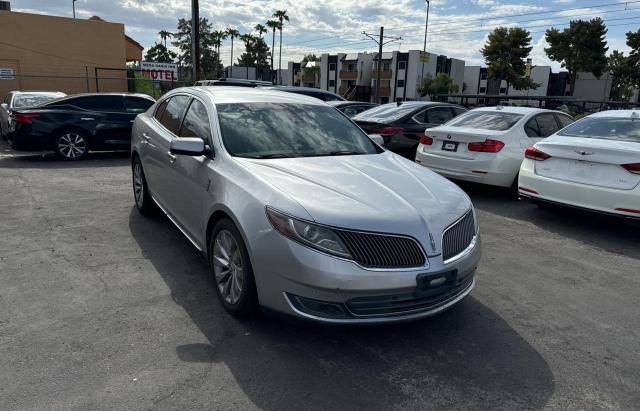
(320, 308)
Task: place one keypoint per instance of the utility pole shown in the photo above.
(380, 41)
(195, 39)
(424, 47)
(73, 2)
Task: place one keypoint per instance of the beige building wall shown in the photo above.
(60, 54)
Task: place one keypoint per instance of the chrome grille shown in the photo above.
(382, 251)
(458, 236)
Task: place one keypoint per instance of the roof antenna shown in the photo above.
(635, 116)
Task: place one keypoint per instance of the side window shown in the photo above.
(351, 111)
(137, 104)
(564, 120)
(100, 103)
(421, 117)
(547, 124)
(160, 109)
(7, 99)
(457, 111)
(173, 112)
(196, 122)
(531, 128)
(438, 115)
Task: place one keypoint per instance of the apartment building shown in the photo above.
(347, 74)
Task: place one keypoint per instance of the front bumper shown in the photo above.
(301, 282)
(600, 199)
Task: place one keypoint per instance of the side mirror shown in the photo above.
(378, 139)
(4, 106)
(187, 146)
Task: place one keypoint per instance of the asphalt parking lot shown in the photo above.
(101, 308)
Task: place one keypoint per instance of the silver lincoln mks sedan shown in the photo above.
(299, 211)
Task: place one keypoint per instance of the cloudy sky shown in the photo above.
(457, 28)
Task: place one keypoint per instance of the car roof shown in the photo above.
(514, 109)
(341, 103)
(617, 114)
(231, 94)
(37, 92)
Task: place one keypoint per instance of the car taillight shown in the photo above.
(388, 130)
(426, 140)
(632, 168)
(487, 146)
(23, 118)
(533, 153)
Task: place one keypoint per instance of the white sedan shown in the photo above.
(486, 145)
(593, 164)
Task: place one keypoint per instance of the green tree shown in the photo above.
(625, 70)
(441, 84)
(159, 53)
(505, 53)
(282, 16)
(313, 70)
(579, 47)
(209, 57)
(265, 53)
(256, 52)
(273, 24)
(164, 35)
(232, 34)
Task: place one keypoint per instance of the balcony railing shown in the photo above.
(348, 75)
(384, 74)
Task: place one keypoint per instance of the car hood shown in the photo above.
(380, 192)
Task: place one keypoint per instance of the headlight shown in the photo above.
(311, 235)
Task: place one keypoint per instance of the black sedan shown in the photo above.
(402, 124)
(351, 108)
(73, 125)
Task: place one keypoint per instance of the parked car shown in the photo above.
(320, 94)
(402, 124)
(298, 211)
(351, 108)
(20, 99)
(486, 145)
(73, 125)
(233, 82)
(593, 164)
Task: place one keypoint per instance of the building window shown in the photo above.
(402, 65)
(400, 83)
(503, 90)
(483, 75)
(386, 65)
(480, 101)
(332, 83)
(332, 66)
(483, 90)
(351, 67)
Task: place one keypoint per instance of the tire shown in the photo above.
(72, 145)
(144, 203)
(232, 271)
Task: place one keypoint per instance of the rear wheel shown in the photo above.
(232, 271)
(72, 145)
(144, 202)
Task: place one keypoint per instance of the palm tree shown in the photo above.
(281, 15)
(273, 24)
(232, 33)
(260, 29)
(217, 36)
(164, 35)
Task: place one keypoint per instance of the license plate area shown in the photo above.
(450, 146)
(433, 284)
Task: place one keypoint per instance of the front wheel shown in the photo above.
(72, 145)
(233, 274)
(144, 202)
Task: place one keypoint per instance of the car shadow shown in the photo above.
(609, 233)
(467, 357)
(51, 161)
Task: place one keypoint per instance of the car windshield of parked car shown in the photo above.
(486, 120)
(30, 100)
(386, 112)
(626, 129)
(273, 130)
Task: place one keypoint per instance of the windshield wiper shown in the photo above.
(274, 155)
(345, 153)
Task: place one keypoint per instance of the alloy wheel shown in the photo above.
(138, 184)
(228, 267)
(72, 146)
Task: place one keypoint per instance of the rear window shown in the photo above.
(137, 104)
(625, 129)
(30, 100)
(486, 120)
(387, 112)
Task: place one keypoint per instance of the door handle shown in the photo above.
(87, 118)
(145, 136)
(171, 157)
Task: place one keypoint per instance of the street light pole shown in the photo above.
(195, 39)
(424, 47)
(73, 2)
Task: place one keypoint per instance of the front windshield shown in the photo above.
(614, 128)
(273, 130)
(486, 120)
(30, 100)
(387, 112)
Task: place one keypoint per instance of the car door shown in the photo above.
(4, 115)
(190, 177)
(104, 118)
(430, 117)
(538, 127)
(157, 160)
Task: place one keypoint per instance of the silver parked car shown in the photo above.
(299, 211)
(21, 99)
